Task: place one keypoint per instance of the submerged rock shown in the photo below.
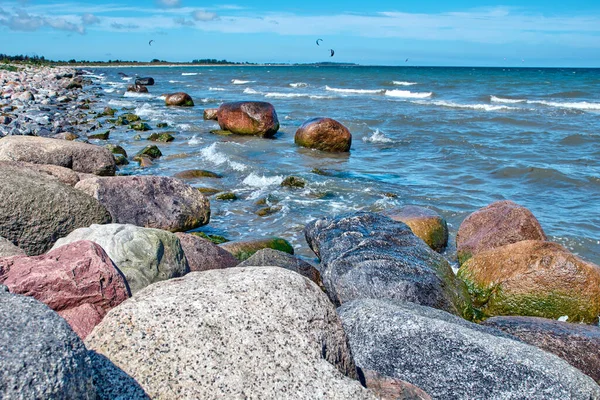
(324, 134)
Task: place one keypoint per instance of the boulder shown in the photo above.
(260, 332)
(161, 137)
(66, 279)
(145, 81)
(144, 255)
(196, 173)
(137, 88)
(256, 118)
(112, 383)
(203, 255)
(65, 175)
(392, 388)
(425, 223)
(151, 151)
(577, 344)
(243, 249)
(270, 257)
(150, 201)
(368, 255)
(533, 278)
(324, 134)
(210, 114)
(450, 358)
(179, 99)
(42, 358)
(500, 223)
(36, 210)
(80, 157)
(8, 249)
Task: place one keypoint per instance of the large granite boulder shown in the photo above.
(450, 358)
(534, 278)
(368, 255)
(65, 175)
(7, 249)
(150, 201)
(425, 223)
(179, 99)
(256, 118)
(78, 156)
(324, 134)
(276, 258)
(244, 249)
(41, 357)
(500, 223)
(577, 344)
(203, 255)
(112, 383)
(144, 255)
(261, 332)
(388, 388)
(77, 280)
(37, 210)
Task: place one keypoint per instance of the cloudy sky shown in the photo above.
(426, 32)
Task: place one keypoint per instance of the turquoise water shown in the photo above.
(452, 139)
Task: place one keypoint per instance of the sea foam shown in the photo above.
(298, 85)
(355, 91)
(408, 94)
(211, 154)
(377, 137)
(450, 104)
(189, 73)
(240, 82)
(263, 181)
(577, 105)
(402, 83)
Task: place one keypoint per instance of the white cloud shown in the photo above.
(23, 21)
(89, 19)
(169, 3)
(118, 25)
(203, 15)
(183, 22)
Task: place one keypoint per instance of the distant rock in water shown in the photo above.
(179, 99)
(256, 118)
(210, 114)
(144, 81)
(137, 88)
(324, 134)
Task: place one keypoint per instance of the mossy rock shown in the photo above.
(216, 239)
(242, 250)
(120, 159)
(162, 125)
(390, 195)
(112, 121)
(208, 191)
(107, 112)
(150, 151)
(197, 173)
(116, 149)
(266, 211)
(221, 132)
(131, 117)
(425, 223)
(228, 196)
(161, 137)
(100, 136)
(269, 199)
(137, 137)
(140, 126)
(321, 172)
(292, 181)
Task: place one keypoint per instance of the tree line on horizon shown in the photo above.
(20, 58)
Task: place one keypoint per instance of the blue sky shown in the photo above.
(427, 32)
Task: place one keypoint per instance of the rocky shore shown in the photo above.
(107, 292)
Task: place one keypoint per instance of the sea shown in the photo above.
(449, 139)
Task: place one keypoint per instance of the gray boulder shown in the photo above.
(144, 255)
(112, 383)
(258, 332)
(270, 257)
(7, 249)
(41, 357)
(65, 175)
(150, 201)
(451, 358)
(368, 255)
(202, 254)
(78, 156)
(37, 210)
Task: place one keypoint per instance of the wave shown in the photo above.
(240, 82)
(110, 90)
(298, 84)
(216, 89)
(377, 137)
(408, 94)
(138, 95)
(496, 99)
(121, 103)
(402, 83)
(211, 154)
(194, 141)
(355, 91)
(251, 91)
(175, 81)
(126, 78)
(189, 73)
(450, 104)
(580, 105)
(255, 180)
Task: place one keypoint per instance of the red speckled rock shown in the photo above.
(66, 279)
(256, 118)
(324, 134)
(84, 318)
(203, 254)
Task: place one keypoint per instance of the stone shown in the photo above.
(62, 174)
(324, 134)
(204, 255)
(196, 173)
(100, 136)
(143, 255)
(37, 210)
(450, 358)
(210, 114)
(368, 255)
(42, 358)
(256, 118)
(276, 258)
(216, 239)
(66, 136)
(150, 201)
(115, 149)
(533, 278)
(68, 278)
(151, 151)
(140, 126)
(259, 332)
(179, 99)
(292, 181)
(137, 88)
(144, 81)
(107, 112)
(500, 223)
(161, 137)
(8, 249)
(144, 161)
(577, 344)
(227, 196)
(392, 388)
(425, 223)
(243, 249)
(112, 383)
(80, 157)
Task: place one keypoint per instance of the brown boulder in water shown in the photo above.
(324, 134)
(137, 88)
(256, 118)
(179, 99)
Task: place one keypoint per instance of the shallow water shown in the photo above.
(452, 139)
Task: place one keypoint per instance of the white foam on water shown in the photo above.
(377, 137)
(163, 97)
(147, 111)
(211, 154)
(286, 95)
(408, 94)
(189, 73)
(194, 141)
(355, 91)
(138, 95)
(495, 99)
(298, 84)
(121, 103)
(217, 89)
(402, 83)
(126, 78)
(577, 105)
(110, 90)
(263, 181)
(240, 82)
(450, 104)
(116, 84)
(251, 91)
(93, 76)
(184, 127)
(175, 81)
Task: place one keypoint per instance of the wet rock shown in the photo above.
(107, 112)
(137, 88)
(450, 358)
(269, 257)
(210, 114)
(35, 210)
(144, 255)
(144, 161)
(66, 136)
(80, 157)
(196, 173)
(256, 118)
(8, 249)
(121, 160)
(216, 239)
(227, 196)
(577, 344)
(179, 99)
(67, 278)
(425, 223)
(204, 255)
(140, 126)
(150, 201)
(534, 278)
(100, 136)
(500, 223)
(368, 255)
(115, 149)
(151, 151)
(161, 137)
(145, 81)
(324, 134)
(42, 358)
(243, 249)
(245, 325)
(292, 181)
(266, 211)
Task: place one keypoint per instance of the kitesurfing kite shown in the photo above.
(332, 52)
(406, 60)
(318, 41)
(150, 42)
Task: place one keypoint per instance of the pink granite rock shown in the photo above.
(203, 254)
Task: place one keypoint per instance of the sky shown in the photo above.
(528, 33)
